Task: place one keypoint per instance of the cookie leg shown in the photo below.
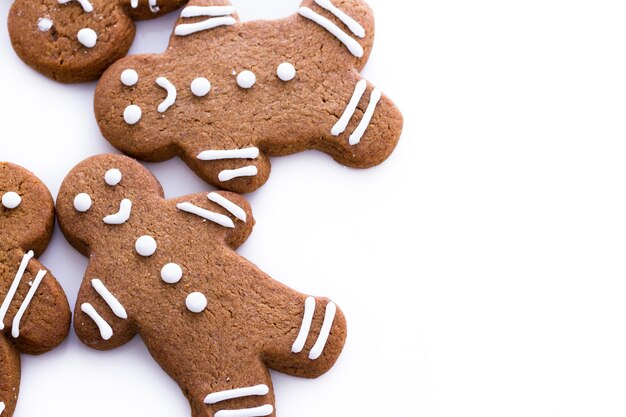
(238, 170)
(9, 377)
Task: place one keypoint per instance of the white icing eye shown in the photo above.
(44, 24)
(113, 177)
(196, 302)
(200, 87)
(129, 77)
(171, 273)
(87, 37)
(82, 202)
(146, 246)
(132, 114)
(246, 79)
(286, 71)
(11, 200)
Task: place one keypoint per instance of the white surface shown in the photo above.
(481, 268)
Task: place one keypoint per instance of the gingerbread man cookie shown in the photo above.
(76, 40)
(226, 95)
(34, 313)
(168, 270)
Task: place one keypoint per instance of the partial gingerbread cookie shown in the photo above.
(168, 270)
(76, 40)
(226, 95)
(34, 314)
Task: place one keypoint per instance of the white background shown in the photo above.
(481, 268)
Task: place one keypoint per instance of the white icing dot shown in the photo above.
(146, 246)
(196, 302)
(132, 114)
(246, 79)
(286, 71)
(11, 200)
(171, 273)
(200, 87)
(82, 202)
(44, 24)
(87, 37)
(113, 177)
(129, 77)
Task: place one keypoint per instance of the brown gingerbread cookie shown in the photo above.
(168, 270)
(34, 313)
(76, 40)
(226, 95)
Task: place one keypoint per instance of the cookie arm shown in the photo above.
(100, 319)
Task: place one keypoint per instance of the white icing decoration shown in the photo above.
(190, 28)
(13, 288)
(86, 5)
(342, 123)
(15, 330)
(329, 317)
(106, 332)
(2, 407)
(153, 6)
(113, 177)
(132, 114)
(356, 136)
(171, 273)
(11, 200)
(354, 26)
(44, 24)
(196, 302)
(122, 215)
(217, 397)
(305, 329)
(146, 246)
(286, 71)
(206, 214)
(82, 202)
(129, 77)
(229, 174)
(233, 208)
(353, 46)
(88, 37)
(117, 307)
(213, 155)
(246, 79)
(264, 410)
(200, 87)
(214, 11)
(134, 3)
(171, 94)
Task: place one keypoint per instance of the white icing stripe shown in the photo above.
(353, 46)
(86, 5)
(171, 94)
(106, 332)
(342, 123)
(1, 407)
(309, 311)
(329, 317)
(229, 174)
(246, 153)
(16, 282)
(264, 410)
(15, 331)
(195, 11)
(134, 3)
(117, 307)
(122, 215)
(356, 136)
(189, 28)
(354, 26)
(220, 396)
(206, 214)
(233, 208)
(153, 6)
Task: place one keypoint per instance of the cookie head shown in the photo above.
(76, 40)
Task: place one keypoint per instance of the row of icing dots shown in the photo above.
(305, 328)
(352, 44)
(217, 16)
(342, 123)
